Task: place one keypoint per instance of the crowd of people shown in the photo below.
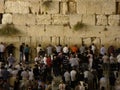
(80, 68)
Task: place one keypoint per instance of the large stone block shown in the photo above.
(63, 8)
(50, 7)
(43, 19)
(114, 20)
(21, 7)
(96, 6)
(35, 7)
(23, 30)
(7, 19)
(36, 30)
(24, 19)
(54, 30)
(108, 7)
(60, 19)
(88, 19)
(75, 18)
(55, 33)
(101, 20)
(2, 6)
(81, 7)
(72, 7)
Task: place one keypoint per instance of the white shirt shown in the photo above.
(102, 50)
(38, 49)
(9, 70)
(73, 75)
(17, 67)
(93, 48)
(65, 50)
(14, 73)
(67, 76)
(45, 60)
(112, 59)
(105, 59)
(24, 74)
(2, 48)
(86, 74)
(31, 75)
(103, 82)
(37, 59)
(82, 49)
(118, 58)
(0, 73)
(58, 49)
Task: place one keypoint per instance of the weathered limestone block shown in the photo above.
(63, 8)
(7, 18)
(75, 18)
(23, 29)
(55, 33)
(2, 6)
(50, 7)
(21, 7)
(43, 19)
(81, 7)
(72, 7)
(114, 20)
(108, 7)
(60, 19)
(101, 20)
(89, 7)
(55, 30)
(96, 6)
(24, 19)
(88, 19)
(36, 30)
(35, 7)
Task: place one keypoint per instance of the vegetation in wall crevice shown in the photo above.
(78, 26)
(9, 30)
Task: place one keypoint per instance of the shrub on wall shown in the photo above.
(78, 26)
(9, 30)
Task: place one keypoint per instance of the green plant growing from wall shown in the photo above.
(9, 30)
(78, 26)
(47, 4)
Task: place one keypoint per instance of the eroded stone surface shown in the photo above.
(7, 19)
(17, 7)
(2, 6)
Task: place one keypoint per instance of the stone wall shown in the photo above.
(52, 21)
